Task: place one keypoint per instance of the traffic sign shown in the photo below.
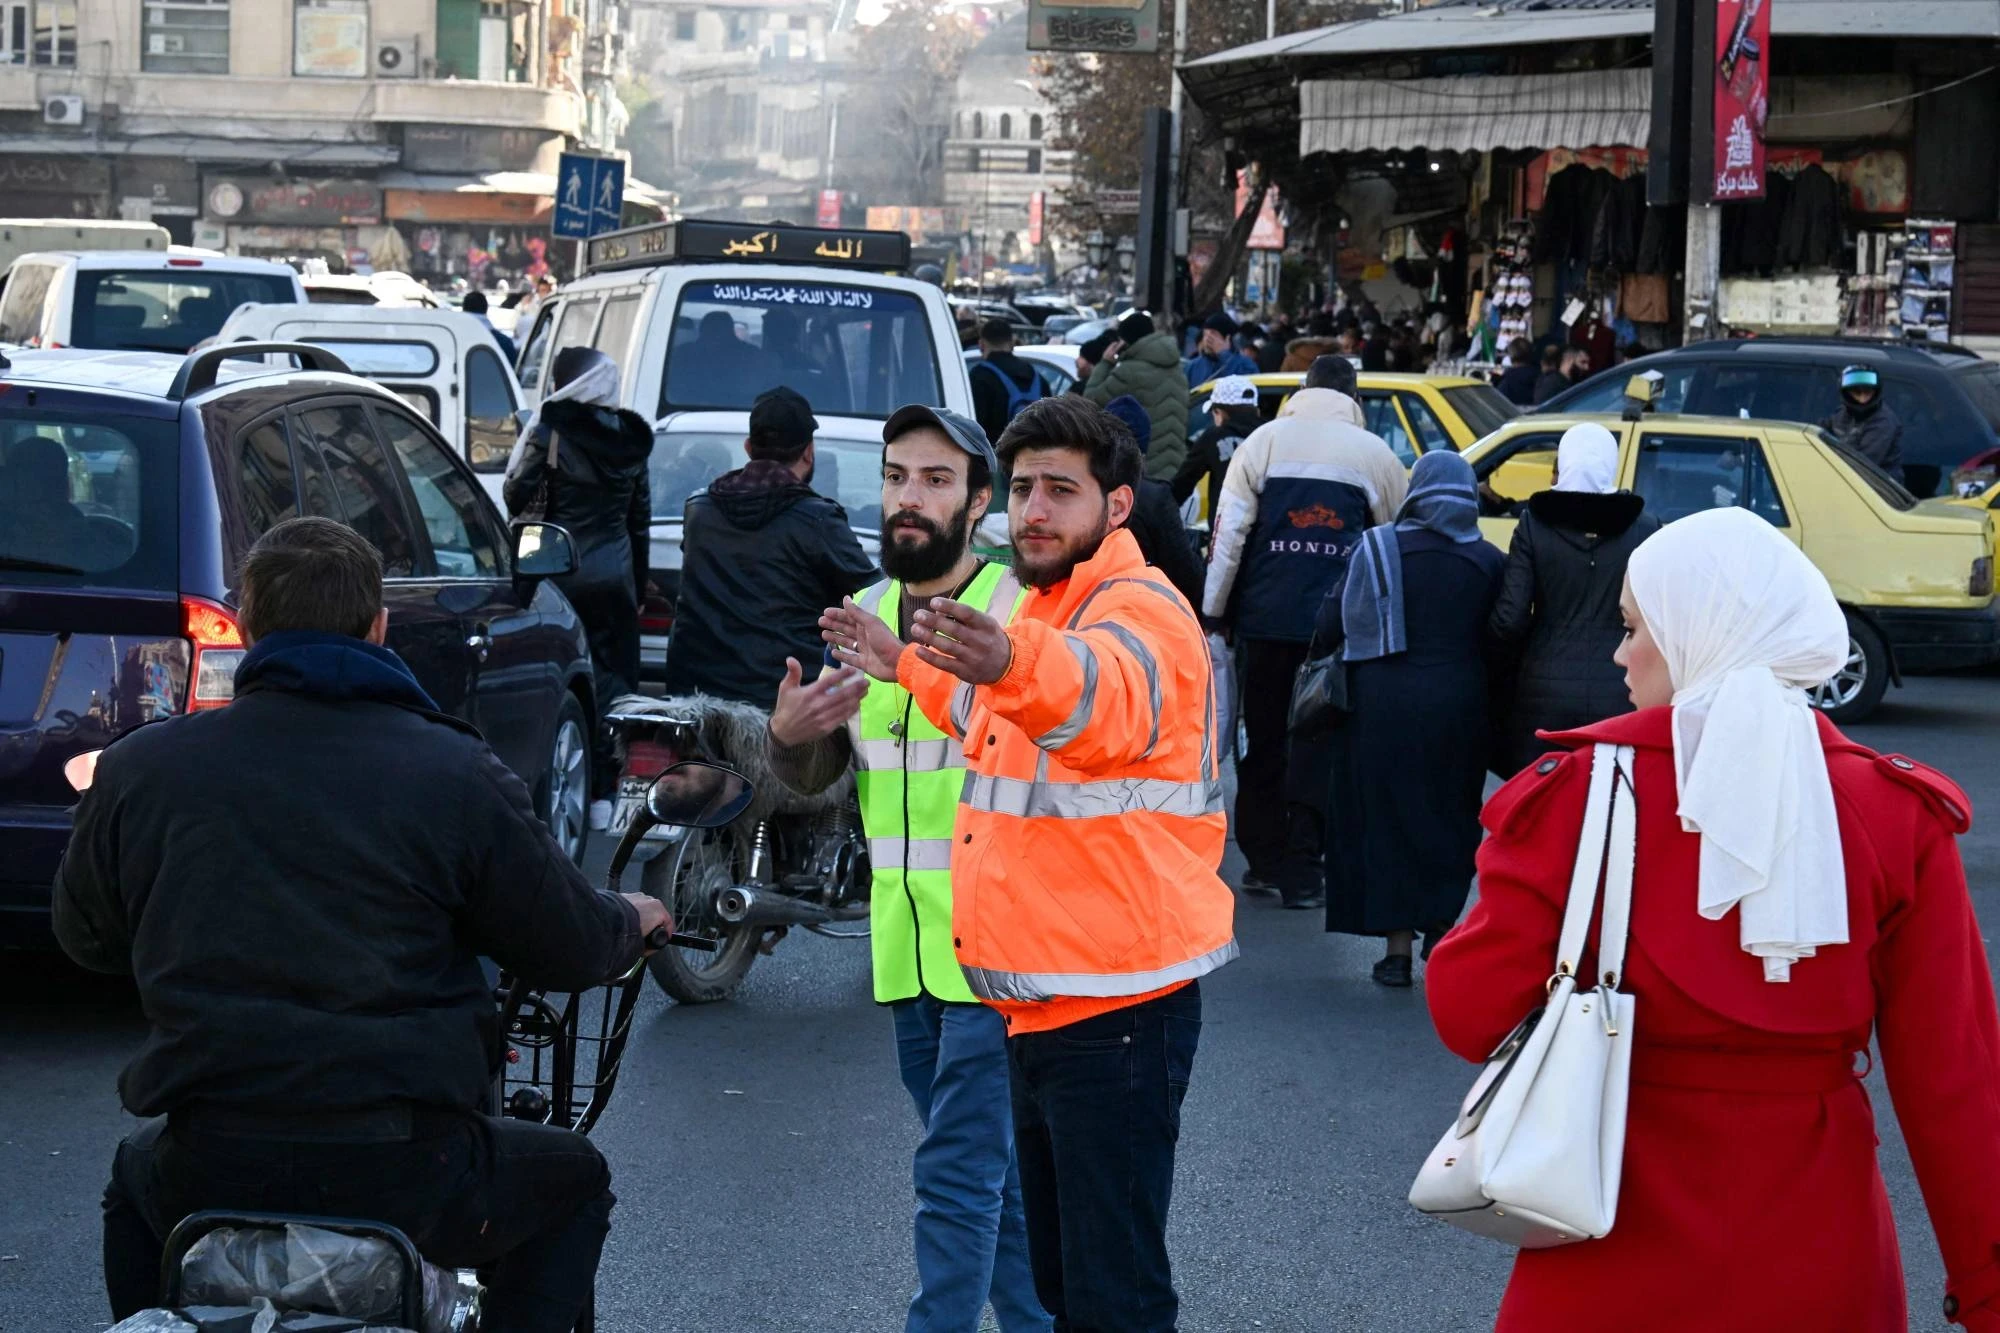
(1114, 202)
(590, 196)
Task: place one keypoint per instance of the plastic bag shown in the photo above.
(1222, 661)
(154, 1321)
(312, 1268)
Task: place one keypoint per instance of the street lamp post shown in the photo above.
(1097, 249)
(1128, 251)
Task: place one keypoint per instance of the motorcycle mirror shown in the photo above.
(698, 795)
(81, 770)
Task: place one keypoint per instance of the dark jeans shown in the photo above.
(527, 1205)
(1097, 1112)
(1280, 848)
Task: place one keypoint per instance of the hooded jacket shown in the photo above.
(1150, 370)
(1876, 435)
(374, 849)
(762, 555)
(1209, 454)
(1298, 495)
(1558, 610)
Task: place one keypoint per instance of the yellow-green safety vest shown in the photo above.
(909, 775)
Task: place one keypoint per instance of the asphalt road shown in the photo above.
(761, 1148)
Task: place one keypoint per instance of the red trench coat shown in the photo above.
(1752, 1202)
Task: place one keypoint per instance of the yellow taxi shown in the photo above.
(1413, 413)
(1914, 576)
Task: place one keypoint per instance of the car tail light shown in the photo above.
(1982, 577)
(218, 651)
(183, 263)
(648, 759)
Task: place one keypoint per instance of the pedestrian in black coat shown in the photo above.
(1156, 522)
(1556, 621)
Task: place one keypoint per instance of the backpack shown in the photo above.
(1017, 397)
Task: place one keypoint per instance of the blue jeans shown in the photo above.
(1097, 1113)
(971, 1234)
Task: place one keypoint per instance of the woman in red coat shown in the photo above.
(1794, 892)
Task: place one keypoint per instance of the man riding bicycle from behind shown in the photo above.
(302, 885)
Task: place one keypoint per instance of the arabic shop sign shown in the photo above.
(1742, 97)
(304, 203)
(1115, 26)
(699, 239)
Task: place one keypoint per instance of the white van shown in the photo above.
(702, 316)
(443, 363)
(20, 236)
(136, 300)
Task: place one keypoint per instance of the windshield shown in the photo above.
(379, 356)
(852, 351)
(87, 500)
(1981, 382)
(165, 310)
(683, 462)
(1484, 408)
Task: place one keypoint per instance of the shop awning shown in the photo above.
(1599, 108)
(301, 156)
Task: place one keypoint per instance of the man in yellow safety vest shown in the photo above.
(971, 1233)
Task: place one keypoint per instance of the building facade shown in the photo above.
(420, 135)
(1000, 153)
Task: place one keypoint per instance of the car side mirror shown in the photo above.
(543, 551)
(523, 415)
(698, 795)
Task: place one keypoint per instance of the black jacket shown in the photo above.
(989, 395)
(302, 884)
(1209, 454)
(1557, 617)
(1163, 538)
(1517, 384)
(762, 556)
(1877, 436)
(1549, 384)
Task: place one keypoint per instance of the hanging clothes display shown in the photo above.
(1810, 234)
(1571, 203)
(1621, 220)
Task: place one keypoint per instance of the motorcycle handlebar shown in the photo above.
(658, 938)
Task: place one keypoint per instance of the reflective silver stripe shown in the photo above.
(871, 596)
(1090, 800)
(990, 984)
(914, 756)
(1079, 717)
(924, 853)
(961, 709)
(1006, 596)
(1138, 649)
(1159, 588)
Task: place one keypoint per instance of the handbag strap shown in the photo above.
(1605, 853)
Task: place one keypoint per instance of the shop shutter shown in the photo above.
(1978, 304)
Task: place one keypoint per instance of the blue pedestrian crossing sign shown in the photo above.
(590, 196)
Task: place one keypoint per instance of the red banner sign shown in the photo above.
(1038, 203)
(1742, 96)
(829, 208)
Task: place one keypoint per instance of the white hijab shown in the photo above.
(596, 386)
(1587, 459)
(1747, 625)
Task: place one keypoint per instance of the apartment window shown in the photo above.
(684, 25)
(1035, 128)
(798, 23)
(37, 32)
(978, 125)
(1006, 126)
(739, 28)
(1034, 161)
(184, 37)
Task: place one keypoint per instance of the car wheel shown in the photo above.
(1855, 690)
(566, 782)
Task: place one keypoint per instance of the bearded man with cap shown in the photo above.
(761, 552)
(1865, 423)
(971, 1232)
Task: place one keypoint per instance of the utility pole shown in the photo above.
(1176, 188)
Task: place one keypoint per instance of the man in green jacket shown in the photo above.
(971, 1232)
(1146, 364)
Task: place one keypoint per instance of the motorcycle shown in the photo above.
(560, 1061)
(790, 861)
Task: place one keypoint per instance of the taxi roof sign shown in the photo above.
(701, 240)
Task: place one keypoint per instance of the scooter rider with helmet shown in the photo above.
(302, 885)
(1865, 423)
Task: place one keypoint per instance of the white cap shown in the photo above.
(1232, 391)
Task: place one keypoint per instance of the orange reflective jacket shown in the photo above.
(1091, 826)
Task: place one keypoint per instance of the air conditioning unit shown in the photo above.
(63, 109)
(396, 58)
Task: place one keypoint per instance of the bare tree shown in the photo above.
(900, 115)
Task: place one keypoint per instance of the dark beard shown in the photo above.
(934, 558)
(1046, 573)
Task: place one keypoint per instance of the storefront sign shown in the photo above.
(829, 208)
(54, 175)
(1038, 204)
(313, 203)
(468, 149)
(331, 41)
(517, 210)
(1267, 233)
(1118, 203)
(1117, 26)
(170, 185)
(921, 225)
(1742, 97)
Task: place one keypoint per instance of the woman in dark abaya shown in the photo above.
(1409, 763)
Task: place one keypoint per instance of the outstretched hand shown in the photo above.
(860, 639)
(968, 643)
(808, 713)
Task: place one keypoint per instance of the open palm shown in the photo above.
(861, 639)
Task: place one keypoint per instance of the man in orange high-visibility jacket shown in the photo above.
(1085, 900)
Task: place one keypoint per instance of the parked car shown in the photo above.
(443, 363)
(1412, 413)
(1948, 398)
(371, 289)
(131, 486)
(134, 300)
(1055, 363)
(1915, 577)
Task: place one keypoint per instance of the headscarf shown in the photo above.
(1747, 625)
(595, 385)
(1587, 460)
(1443, 498)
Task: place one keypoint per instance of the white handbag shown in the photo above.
(1536, 1153)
